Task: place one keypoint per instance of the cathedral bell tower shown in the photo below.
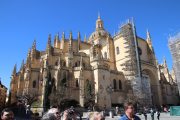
(99, 24)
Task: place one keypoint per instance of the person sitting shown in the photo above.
(129, 112)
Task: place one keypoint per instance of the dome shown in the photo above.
(102, 33)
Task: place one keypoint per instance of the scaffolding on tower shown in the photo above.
(174, 47)
(132, 65)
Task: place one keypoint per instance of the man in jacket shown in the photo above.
(129, 112)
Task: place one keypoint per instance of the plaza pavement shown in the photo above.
(163, 116)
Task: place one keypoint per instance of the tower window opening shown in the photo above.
(64, 64)
(77, 84)
(34, 84)
(105, 55)
(114, 84)
(76, 64)
(117, 49)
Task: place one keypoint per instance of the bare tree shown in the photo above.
(30, 95)
(89, 99)
(60, 97)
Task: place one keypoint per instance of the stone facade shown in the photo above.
(97, 59)
(3, 91)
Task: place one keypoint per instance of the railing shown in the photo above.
(64, 68)
(101, 67)
(76, 68)
(35, 69)
(79, 54)
(88, 68)
(57, 54)
(116, 72)
(53, 67)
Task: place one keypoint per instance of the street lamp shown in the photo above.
(44, 109)
(110, 90)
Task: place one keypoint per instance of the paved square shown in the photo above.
(163, 116)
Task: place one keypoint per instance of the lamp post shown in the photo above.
(44, 108)
(110, 90)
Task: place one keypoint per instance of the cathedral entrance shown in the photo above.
(150, 83)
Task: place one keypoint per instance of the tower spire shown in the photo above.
(54, 43)
(148, 35)
(22, 65)
(70, 35)
(164, 59)
(79, 36)
(14, 70)
(99, 17)
(28, 56)
(33, 53)
(99, 23)
(149, 41)
(70, 43)
(63, 35)
(57, 38)
(85, 38)
(48, 47)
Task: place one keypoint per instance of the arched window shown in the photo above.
(76, 64)
(105, 55)
(117, 49)
(64, 64)
(114, 84)
(120, 86)
(34, 84)
(140, 51)
(84, 64)
(77, 84)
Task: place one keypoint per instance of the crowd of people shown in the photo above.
(54, 114)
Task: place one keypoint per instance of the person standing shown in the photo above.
(145, 114)
(158, 114)
(78, 116)
(152, 114)
(129, 112)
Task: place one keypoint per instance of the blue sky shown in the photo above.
(22, 21)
